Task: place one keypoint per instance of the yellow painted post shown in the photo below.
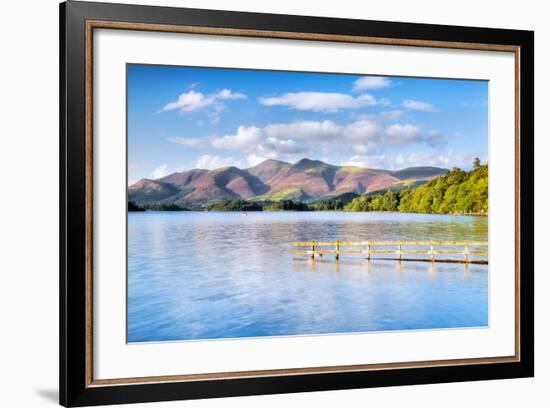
(312, 249)
(337, 250)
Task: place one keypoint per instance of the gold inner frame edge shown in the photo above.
(99, 24)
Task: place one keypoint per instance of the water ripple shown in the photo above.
(198, 275)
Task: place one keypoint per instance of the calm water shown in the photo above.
(199, 275)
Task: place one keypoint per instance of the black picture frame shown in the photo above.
(75, 388)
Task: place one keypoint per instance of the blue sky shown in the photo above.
(181, 118)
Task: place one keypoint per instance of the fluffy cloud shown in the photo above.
(290, 138)
(227, 94)
(363, 131)
(320, 131)
(209, 162)
(245, 140)
(327, 131)
(190, 141)
(401, 134)
(329, 102)
(193, 101)
(372, 162)
(363, 148)
(371, 82)
(159, 172)
(369, 138)
(189, 101)
(390, 115)
(287, 141)
(418, 105)
(259, 143)
(447, 160)
(383, 116)
(398, 134)
(254, 159)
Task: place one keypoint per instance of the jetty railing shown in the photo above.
(463, 251)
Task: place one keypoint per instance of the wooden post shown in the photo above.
(399, 251)
(368, 252)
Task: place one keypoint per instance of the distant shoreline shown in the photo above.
(455, 193)
(311, 211)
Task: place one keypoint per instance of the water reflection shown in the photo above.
(221, 275)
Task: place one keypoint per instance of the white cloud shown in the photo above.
(253, 159)
(390, 115)
(398, 134)
(306, 130)
(325, 132)
(447, 160)
(210, 162)
(189, 141)
(401, 134)
(329, 102)
(364, 148)
(258, 143)
(245, 140)
(363, 131)
(366, 161)
(193, 101)
(286, 141)
(216, 113)
(159, 172)
(418, 105)
(227, 94)
(282, 146)
(189, 101)
(368, 138)
(384, 116)
(371, 82)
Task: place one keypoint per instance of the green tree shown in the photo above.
(235, 205)
(132, 206)
(457, 192)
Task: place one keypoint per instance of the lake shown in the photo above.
(212, 275)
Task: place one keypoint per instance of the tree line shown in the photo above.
(244, 205)
(133, 207)
(457, 192)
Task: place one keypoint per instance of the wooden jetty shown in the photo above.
(472, 252)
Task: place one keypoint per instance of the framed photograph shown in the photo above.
(256, 203)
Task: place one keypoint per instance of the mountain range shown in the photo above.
(306, 180)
